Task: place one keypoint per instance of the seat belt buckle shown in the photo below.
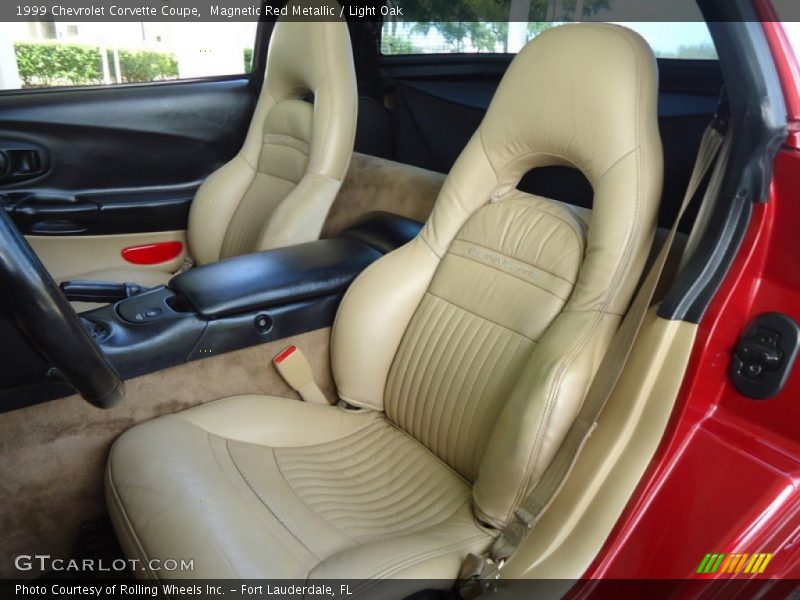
(295, 369)
(478, 577)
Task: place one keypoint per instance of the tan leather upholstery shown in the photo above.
(298, 489)
(279, 188)
(469, 350)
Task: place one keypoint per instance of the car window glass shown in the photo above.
(674, 30)
(44, 54)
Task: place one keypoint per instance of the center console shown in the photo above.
(242, 301)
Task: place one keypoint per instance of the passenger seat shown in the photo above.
(461, 359)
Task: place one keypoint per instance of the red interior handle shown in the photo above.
(152, 254)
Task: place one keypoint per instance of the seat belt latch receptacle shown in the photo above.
(293, 366)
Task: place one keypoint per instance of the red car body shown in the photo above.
(729, 465)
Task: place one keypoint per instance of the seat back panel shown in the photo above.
(260, 201)
(507, 275)
(281, 165)
(278, 189)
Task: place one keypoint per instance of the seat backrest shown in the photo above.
(278, 189)
(481, 336)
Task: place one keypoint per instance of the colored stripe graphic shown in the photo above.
(753, 564)
(758, 563)
(710, 563)
(703, 563)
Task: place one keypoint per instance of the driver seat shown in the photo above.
(461, 359)
(278, 189)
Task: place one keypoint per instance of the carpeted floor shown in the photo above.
(53, 454)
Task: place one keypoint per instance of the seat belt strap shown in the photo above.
(295, 369)
(479, 571)
(187, 264)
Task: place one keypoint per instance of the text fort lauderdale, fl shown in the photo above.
(172, 590)
(359, 12)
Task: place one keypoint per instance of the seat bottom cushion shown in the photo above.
(263, 487)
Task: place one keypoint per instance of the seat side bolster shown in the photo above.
(370, 324)
(220, 194)
(540, 410)
(425, 554)
(161, 519)
(131, 546)
(300, 216)
(214, 206)
(275, 422)
(335, 106)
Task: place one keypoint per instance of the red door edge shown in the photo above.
(786, 64)
(726, 476)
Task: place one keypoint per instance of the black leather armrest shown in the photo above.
(294, 273)
(280, 276)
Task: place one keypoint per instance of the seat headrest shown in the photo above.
(314, 58)
(584, 96)
(302, 53)
(578, 95)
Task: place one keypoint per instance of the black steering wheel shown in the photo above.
(41, 311)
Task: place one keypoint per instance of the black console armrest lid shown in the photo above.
(383, 231)
(294, 273)
(275, 277)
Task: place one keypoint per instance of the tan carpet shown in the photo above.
(378, 184)
(53, 454)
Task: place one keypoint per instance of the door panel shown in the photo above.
(97, 170)
(70, 257)
(129, 136)
(38, 212)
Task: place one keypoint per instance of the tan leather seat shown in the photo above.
(278, 189)
(468, 352)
